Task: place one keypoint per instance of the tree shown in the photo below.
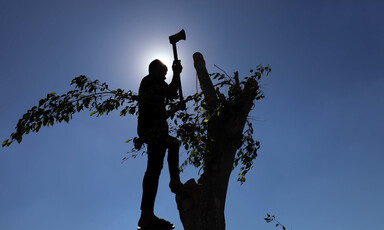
(215, 130)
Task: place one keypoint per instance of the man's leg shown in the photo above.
(173, 163)
(156, 153)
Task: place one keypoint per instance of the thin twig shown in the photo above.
(224, 73)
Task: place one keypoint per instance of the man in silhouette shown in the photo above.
(153, 130)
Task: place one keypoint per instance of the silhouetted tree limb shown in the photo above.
(91, 95)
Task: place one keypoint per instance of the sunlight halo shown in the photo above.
(164, 54)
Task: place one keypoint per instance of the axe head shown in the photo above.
(173, 39)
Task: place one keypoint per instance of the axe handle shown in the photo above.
(176, 59)
(181, 92)
(174, 52)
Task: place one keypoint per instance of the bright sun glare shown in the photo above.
(164, 55)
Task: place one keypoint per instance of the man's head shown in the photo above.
(156, 67)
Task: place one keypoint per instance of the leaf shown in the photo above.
(6, 143)
(267, 220)
(131, 110)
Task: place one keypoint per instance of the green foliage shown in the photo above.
(247, 153)
(194, 127)
(90, 95)
(190, 126)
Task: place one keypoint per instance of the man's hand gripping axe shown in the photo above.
(173, 39)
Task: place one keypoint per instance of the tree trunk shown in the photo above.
(224, 136)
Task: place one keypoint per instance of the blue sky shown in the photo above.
(320, 125)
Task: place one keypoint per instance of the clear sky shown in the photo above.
(321, 124)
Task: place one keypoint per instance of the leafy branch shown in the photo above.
(270, 218)
(91, 95)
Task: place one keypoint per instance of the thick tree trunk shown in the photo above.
(227, 136)
(215, 184)
(224, 135)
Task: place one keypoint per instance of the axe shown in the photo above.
(173, 39)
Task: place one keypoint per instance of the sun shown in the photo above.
(164, 58)
(164, 54)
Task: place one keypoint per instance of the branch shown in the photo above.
(205, 82)
(270, 218)
(55, 109)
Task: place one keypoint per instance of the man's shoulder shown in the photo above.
(146, 81)
(151, 80)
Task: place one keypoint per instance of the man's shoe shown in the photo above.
(154, 223)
